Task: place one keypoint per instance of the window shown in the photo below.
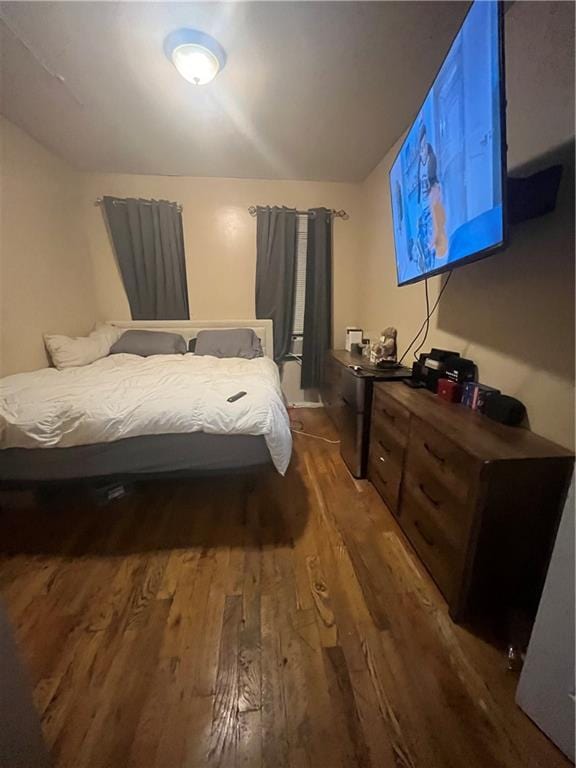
(300, 289)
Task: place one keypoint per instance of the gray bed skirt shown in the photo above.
(149, 455)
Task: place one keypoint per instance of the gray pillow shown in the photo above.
(145, 343)
(234, 342)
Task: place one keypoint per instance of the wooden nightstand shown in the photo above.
(347, 397)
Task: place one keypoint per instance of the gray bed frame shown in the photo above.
(148, 456)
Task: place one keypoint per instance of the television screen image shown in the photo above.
(446, 184)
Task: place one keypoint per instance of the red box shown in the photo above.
(448, 390)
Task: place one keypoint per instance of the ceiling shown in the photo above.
(311, 90)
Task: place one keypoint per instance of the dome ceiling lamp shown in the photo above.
(197, 56)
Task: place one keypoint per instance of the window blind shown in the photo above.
(300, 291)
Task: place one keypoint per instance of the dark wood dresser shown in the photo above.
(347, 396)
(479, 501)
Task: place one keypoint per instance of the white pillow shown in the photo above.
(68, 351)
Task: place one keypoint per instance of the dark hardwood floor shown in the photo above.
(280, 623)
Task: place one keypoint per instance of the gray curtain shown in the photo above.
(149, 245)
(318, 308)
(276, 273)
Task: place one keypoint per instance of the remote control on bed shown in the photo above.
(235, 397)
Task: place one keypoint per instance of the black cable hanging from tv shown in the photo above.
(426, 323)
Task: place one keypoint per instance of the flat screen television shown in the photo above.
(447, 184)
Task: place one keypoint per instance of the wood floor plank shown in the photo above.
(249, 739)
(274, 716)
(224, 734)
(250, 648)
(276, 622)
(185, 682)
(355, 748)
(322, 603)
(352, 615)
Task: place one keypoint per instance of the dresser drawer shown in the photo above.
(387, 450)
(386, 439)
(385, 472)
(436, 456)
(436, 505)
(391, 416)
(440, 556)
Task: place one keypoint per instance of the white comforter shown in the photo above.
(124, 396)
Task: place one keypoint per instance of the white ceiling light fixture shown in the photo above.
(198, 57)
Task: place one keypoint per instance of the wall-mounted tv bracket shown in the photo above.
(534, 195)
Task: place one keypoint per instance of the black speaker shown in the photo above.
(505, 409)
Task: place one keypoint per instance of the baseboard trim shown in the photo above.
(306, 405)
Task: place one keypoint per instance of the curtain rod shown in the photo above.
(100, 200)
(341, 214)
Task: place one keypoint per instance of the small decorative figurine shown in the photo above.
(389, 342)
(385, 348)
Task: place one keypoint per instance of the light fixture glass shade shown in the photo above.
(196, 55)
(196, 64)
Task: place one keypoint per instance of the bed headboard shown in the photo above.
(189, 328)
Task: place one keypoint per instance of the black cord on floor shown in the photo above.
(426, 323)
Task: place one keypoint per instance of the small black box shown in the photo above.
(460, 370)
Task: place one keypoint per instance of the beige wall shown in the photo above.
(220, 240)
(512, 313)
(539, 39)
(45, 274)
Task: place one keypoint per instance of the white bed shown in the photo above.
(120, 398)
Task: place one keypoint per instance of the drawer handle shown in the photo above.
(430, 499)
(438, 458)
(420, 530)
(382, 459)
(387, 413)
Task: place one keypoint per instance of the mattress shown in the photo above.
(125, 396)
(149, 455)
